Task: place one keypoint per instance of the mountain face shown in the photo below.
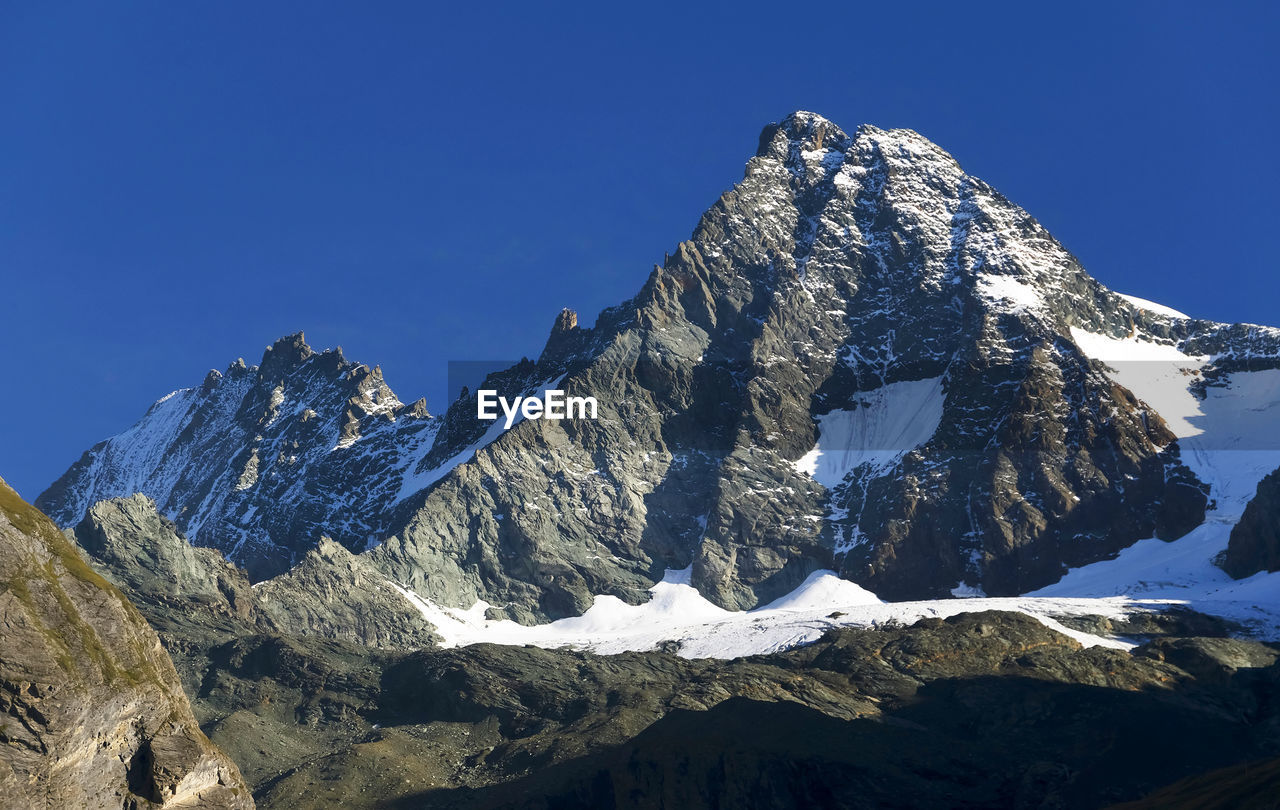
(864, 359)
(333, 720)
(91, 711)
(260, 461)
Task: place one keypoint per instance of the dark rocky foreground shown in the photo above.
(983, 710)
(1249, 786)
(91, 711)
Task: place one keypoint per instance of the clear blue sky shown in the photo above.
(182, 182)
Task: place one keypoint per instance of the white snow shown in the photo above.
(414, 482)
(1016, 294)
(884, 425)
(677, 612)
(1152, 306)
(1157, 373)
(1230, 440)
(1131, 350)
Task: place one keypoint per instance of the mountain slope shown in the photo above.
(196, 594)
(863, 359)
(92, 712)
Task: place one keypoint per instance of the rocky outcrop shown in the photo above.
(335, 594)
(1255, 540)
(143, 553)
(195, 595)
(91, 711)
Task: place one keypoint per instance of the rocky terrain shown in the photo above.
(981, 710)
(330, 594)
(91, 711)
(261, 461)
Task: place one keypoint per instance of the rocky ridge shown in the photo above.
(196, 599)
(261, 461)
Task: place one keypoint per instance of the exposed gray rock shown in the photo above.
(335, 594)
(261, 461)
(144, 554)
(839, 265)
(196, 595)
(91, 711)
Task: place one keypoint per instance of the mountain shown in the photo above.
(91, 711)
(864, 359)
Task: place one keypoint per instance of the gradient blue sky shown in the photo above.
(182, 182)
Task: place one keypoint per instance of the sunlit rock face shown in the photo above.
(92, 712)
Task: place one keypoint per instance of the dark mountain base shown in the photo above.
(982, 710)
(1251, 786)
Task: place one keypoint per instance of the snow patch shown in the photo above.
(1153, 307)
(884, 426)
(1015, 294)
(1157, 373)
(1231, 440)
(678, 613)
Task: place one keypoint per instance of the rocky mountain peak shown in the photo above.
(567, 320)
(288, 352)
(237, 461)
(801, 130)
(565, 338)
(211, 381)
